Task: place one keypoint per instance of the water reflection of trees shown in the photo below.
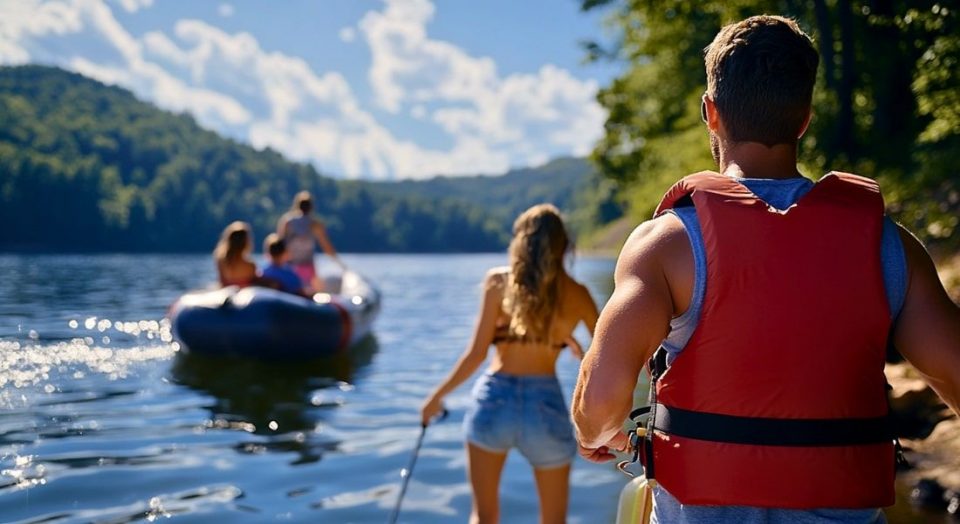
(281, 404)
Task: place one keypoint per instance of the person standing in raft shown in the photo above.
(278, 272)
(302, 232)
(529, 311)
(232, 256)
(771, 299)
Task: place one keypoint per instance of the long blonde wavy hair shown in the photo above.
(235, 243)
(537, 252)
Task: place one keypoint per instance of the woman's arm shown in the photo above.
(476, 352)
(320, 233)
(589, 308)
(588, 314)
(220, 275)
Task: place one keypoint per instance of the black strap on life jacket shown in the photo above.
(751, 430)
(657, 365)
(761, 431)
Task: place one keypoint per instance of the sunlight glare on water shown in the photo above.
(31, 362)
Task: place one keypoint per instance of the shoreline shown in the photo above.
(930, 435)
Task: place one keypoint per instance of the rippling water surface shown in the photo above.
(103, 419)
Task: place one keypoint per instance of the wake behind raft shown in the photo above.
(263, 323)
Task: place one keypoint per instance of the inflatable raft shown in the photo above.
(268, 324)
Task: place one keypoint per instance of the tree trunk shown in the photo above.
(894, 125)
(848, 71)
(825, 43)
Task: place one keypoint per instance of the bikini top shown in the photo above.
(502, 334)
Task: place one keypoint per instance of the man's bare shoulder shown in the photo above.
(660, 250)
(660, 238)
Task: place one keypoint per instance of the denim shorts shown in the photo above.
(523, 412)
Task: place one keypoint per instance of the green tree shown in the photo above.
(887, 103)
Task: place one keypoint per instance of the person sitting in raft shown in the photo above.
(232, 256)
(302, 232)
(529, 312)
(278, 272)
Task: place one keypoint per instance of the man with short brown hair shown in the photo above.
(771, 299)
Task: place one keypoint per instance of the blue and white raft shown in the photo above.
(264, 323)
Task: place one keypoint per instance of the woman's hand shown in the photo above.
(574, 346)
(430, 409)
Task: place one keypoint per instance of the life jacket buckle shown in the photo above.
(635, 437)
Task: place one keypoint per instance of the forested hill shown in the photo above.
(88, 167)
(569, 183)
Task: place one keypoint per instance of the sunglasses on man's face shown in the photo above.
(703, 108)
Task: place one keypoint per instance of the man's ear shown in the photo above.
(713, 116)
(806, 124)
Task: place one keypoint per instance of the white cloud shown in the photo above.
(348, 34)
(160, 45)
(524, 116)
(225, 10)
(308, 116)
(392, 35)
(22, 20)
(128, 67)
(132, 6)
(231, 84)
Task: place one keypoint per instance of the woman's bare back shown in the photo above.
(521, 356)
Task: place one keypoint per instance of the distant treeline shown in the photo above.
(87, 167)
(569, 183)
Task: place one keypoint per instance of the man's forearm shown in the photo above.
(598, 413)
(631, 326)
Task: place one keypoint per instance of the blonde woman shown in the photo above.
(302, 232)
(529, 312)
(232, 255)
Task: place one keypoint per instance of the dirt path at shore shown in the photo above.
(934, 449)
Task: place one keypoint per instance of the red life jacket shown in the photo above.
(779, 398)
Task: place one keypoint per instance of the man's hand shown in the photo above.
(604, 453)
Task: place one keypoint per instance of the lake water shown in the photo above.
(102, 419)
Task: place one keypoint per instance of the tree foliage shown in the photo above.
(887, 103)
(87, 167)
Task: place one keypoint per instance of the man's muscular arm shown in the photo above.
(927, 331)
(631, 326)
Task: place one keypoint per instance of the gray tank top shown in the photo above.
(299, 239)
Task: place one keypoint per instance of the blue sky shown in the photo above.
(360, 88)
